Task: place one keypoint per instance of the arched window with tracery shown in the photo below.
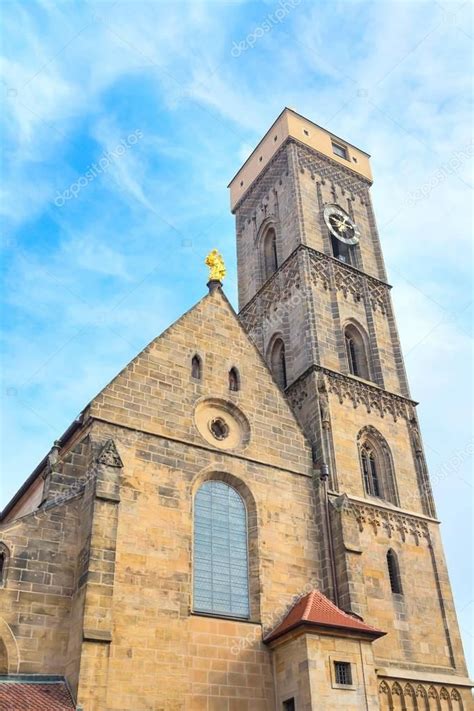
(433, 699)
(234, 380)
(220, 561)
(385, 697)
(444, 700)
(270, 256)
(422, 698)
(196, 367)
(456, 700)
(394, 572)
(356, 351)
(377, 465)
(397, 697)
(410, 698)
(278, 362)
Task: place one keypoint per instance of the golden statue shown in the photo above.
(217, 270)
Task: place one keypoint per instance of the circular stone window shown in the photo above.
(219, 428)
(221, 424)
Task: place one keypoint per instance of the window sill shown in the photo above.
(229, 618)
(362, 380)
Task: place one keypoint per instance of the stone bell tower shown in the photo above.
(314, 297)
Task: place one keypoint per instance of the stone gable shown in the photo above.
(157, 394)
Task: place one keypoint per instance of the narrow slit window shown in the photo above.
(4, 556)
(270, 253)
(234, 380)
(196, 367)
(394, 573)
(278, 363)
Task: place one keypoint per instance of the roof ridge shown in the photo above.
(350, 616)
(309, 603)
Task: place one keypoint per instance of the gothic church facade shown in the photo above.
(242, 520)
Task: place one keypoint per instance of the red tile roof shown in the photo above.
(316, 610)
(35, 696)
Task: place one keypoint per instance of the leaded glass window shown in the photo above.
(220, 551)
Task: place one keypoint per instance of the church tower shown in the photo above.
(314, 297)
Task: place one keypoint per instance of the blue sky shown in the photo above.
(166, 101)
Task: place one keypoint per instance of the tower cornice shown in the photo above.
(359, 392)
(333, 265)
(236, 202)
(291, 126)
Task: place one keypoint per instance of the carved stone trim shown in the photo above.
(378, 295)
(423, 692)
(297, 396)
(109, 455)
(327, 271)
(392, 523)
(320, 270)
(369, 396)
(319, 164)
(348, 282)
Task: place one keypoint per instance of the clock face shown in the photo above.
(341, 225)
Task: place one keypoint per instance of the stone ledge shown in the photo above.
(104, 636)
(332, 263)
(104, 496)
(427, 677)
(382, 506)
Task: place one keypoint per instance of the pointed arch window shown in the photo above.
(234, 380)
(220, 563)
(278, 363)
(377, 465)
(356, 351)
(196, 367)
(270, 257)
(394, 572)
